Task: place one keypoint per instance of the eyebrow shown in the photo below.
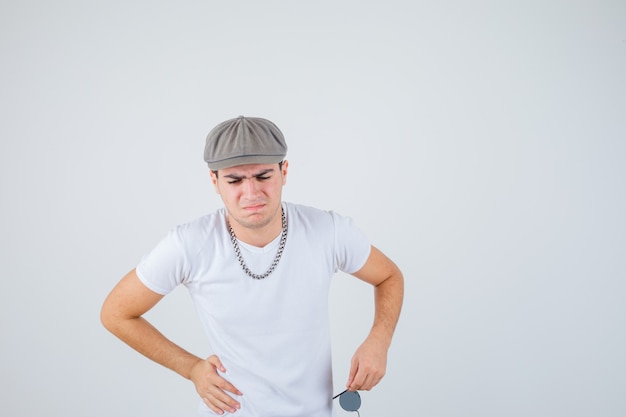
(240, 177)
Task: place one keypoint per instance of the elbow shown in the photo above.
(104, 318)
(107, 316)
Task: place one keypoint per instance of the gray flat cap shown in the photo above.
(244, 140)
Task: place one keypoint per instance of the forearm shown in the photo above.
(122, 314)
(140, 335)
(388, 296)
(369, 362)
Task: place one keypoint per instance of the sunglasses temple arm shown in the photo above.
(339, 394)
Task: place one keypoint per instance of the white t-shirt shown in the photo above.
(272, 334)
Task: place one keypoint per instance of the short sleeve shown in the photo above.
(166, 266)
(352, 246)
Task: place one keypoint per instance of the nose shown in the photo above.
(250, 188)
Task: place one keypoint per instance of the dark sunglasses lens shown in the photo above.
(350, 400)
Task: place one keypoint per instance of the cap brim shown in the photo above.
(245, 160)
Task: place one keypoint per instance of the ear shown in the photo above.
(284, 170)
(214, 181)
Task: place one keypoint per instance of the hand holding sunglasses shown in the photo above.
(349, 401)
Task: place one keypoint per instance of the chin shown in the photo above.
(255, 221)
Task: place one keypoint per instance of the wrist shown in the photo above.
(188, 366)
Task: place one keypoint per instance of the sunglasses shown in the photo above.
(349, 401)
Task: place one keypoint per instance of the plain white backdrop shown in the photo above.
(479, 144)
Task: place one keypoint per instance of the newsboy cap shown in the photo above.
(244, 140)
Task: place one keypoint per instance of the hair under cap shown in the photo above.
(244, 140)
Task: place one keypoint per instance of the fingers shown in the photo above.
(364, 375)
(220, 402)
(216, 398)
(368, 365)
(213, 388)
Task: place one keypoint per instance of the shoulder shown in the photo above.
(203, 223)
(304, 211)
(193, 233)
(315, 217)
(298, 213)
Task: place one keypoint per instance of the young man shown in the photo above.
(258, 271)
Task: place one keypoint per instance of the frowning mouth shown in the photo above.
(255, 207)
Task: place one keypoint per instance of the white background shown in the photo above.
(479, 144)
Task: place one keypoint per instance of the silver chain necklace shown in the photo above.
(279, 253)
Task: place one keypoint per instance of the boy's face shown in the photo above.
(251, 193)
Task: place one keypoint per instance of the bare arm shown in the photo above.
(369, 362)
(122, 313)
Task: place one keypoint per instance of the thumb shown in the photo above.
(216, 362)
(354, 367)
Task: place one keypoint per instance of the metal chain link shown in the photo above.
(279, 253)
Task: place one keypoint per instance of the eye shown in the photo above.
(262, 178)
(234, 181)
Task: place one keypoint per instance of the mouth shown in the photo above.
(254, 207)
